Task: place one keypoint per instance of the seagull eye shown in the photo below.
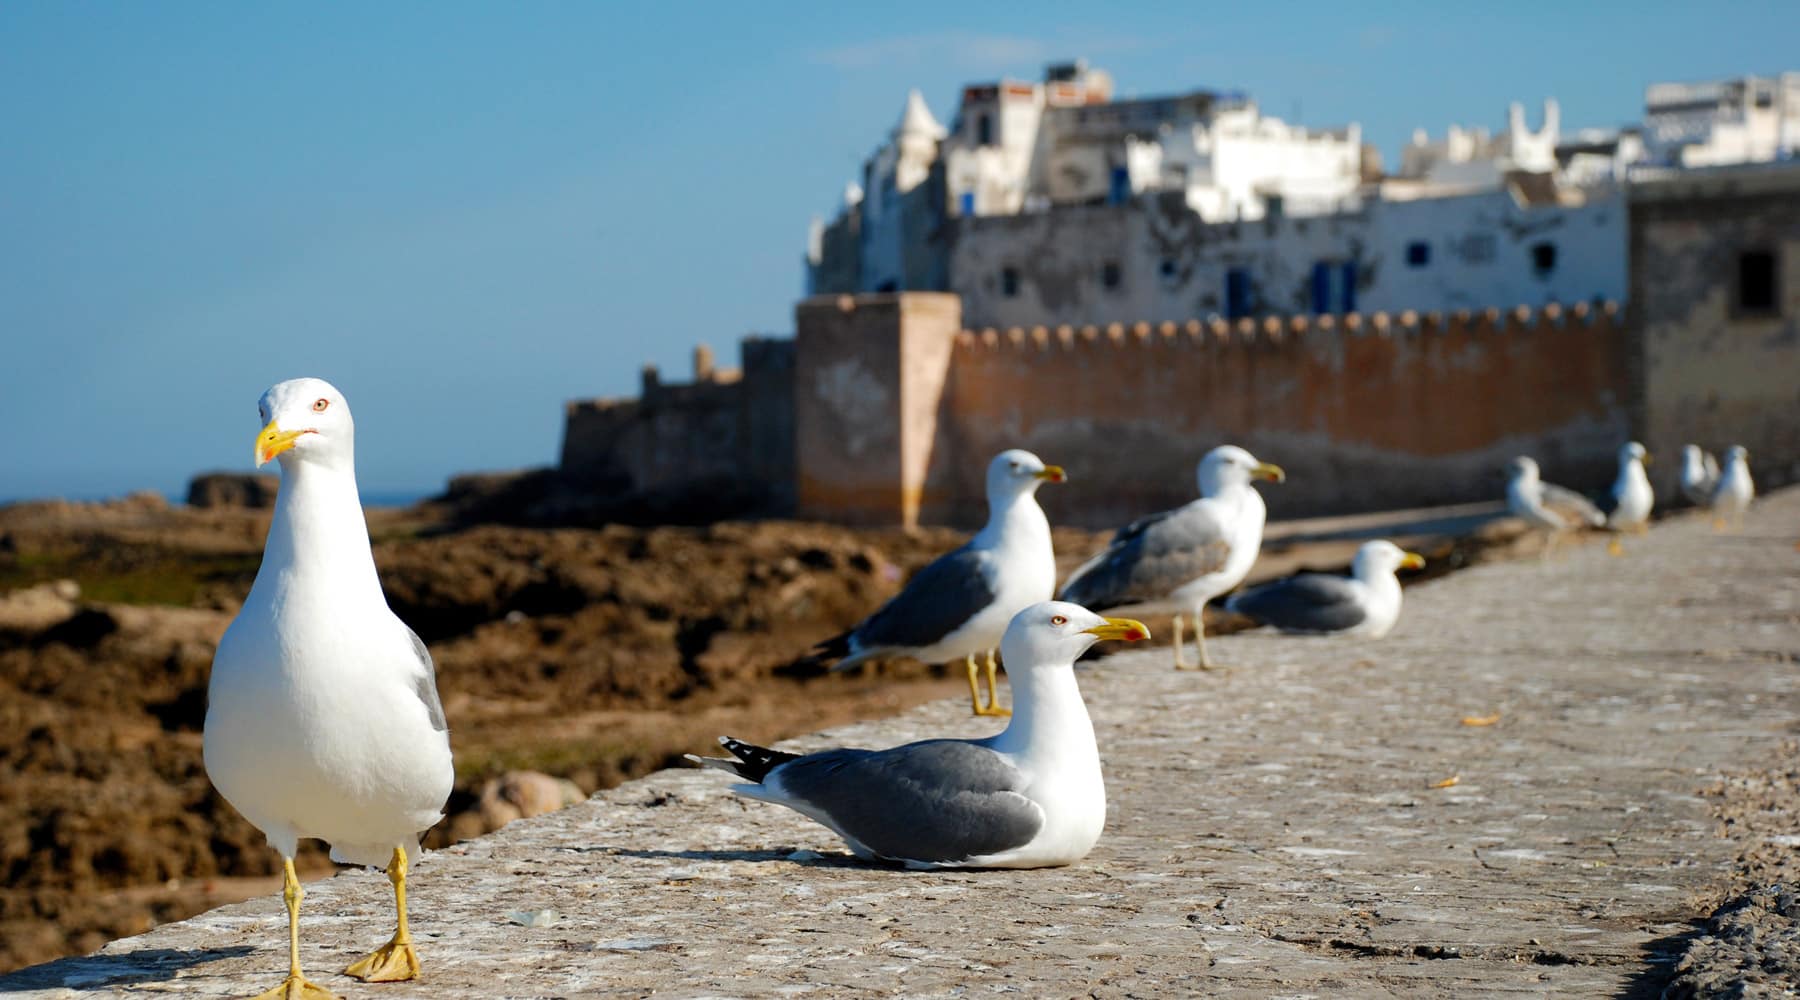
(1058, 620)
(319, 405)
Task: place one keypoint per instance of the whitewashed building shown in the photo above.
(1049, 202)
(1750, 119)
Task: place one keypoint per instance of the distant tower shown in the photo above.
(916, 141)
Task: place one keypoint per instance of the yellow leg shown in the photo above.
(974, 685)
(975, 689)
(1615, 547)
(396, 960)
(993, 702)
(1206, 662)
(295, 986)
(1180, 664)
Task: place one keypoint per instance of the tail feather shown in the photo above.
(817, 660)
(753, 763)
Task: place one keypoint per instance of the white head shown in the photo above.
(1383, 558)
(1016, 471)
(306, 420)
(1631, 451)
(1737, 453)
(1228, 466)
(1056, 633)
(1691, 456)
(1522, 469)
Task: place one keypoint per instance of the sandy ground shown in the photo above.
(1320, 820)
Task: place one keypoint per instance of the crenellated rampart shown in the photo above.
(1365, 411)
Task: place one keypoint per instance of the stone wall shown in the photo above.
(1364, 412)
(868, 383)
(719, 446)
(1717, 366)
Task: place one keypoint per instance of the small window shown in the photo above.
(1118, 191)
(1418, 253)
(1543, 258)
(1239, 296)
(984, 130)
(1756, 292)
(1110, 275)
(966, 204)
(1009, 282)
(1167, 267)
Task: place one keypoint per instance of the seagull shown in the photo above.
(1735, 490)
(1367, 602)
(959, 604)
(323, 718)
(1628, 506)
(1699, 474)
(1030, 797)
(1180, 559)
(1553, 508)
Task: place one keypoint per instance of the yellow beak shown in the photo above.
(1127, 629)
(1272, 473)
(1648, 458)
(272, 441)
(1412, 560)
(1053, 473)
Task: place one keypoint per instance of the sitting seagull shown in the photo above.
(1367, 602)
(1030, 797)
(1735, 490)
(1699, 474)
(1627, 507)
(959, 604)
(322, 716)
(1553, 508)
(1182, 558)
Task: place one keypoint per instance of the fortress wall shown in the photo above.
(1364, 412)
(1720, 360)
(868, 385)
(723, 442)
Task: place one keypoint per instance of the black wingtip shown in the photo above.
(756, 762)
(817, 661)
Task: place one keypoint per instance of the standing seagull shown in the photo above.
(1367, 602)
(1735, 490)
(323, 717)
(1030, 797)
(1699, 474)
(1628, 506)
(1182, 558)
(1553, 508)
(960, 603)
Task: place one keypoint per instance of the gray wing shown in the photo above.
(1307, 602)
(425, 685)
(1570, 504)
(1701, 491)
(1152, 557)
(940, 801)
(937, 601)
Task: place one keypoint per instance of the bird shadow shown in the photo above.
(810, 859)
(149, 965)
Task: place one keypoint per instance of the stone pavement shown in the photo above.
(1276, 830)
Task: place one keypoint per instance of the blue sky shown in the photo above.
(466, 213)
